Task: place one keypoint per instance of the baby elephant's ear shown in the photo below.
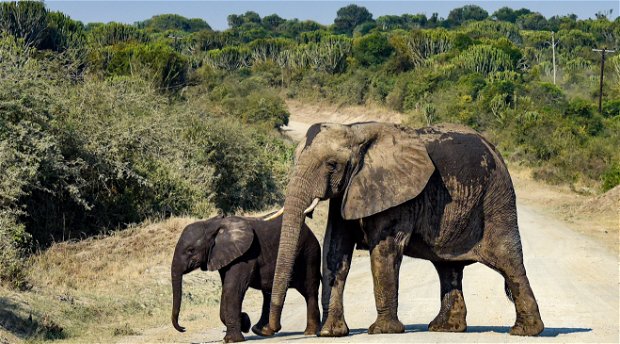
(232, 240)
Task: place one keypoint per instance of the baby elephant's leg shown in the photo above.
(236, 280)
(313, 316)
(309, 289)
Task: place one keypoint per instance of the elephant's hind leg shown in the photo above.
(506, 257)
(451, 317)
(385, 259)
(528, 321)
(262, 328)
(313, 316)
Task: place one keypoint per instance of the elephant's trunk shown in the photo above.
(177, 290)
(298, 198)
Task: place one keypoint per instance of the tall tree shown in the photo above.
(272, 21)
(468, 12)
(505, 14)
(532, 21)
(234, 21)
(24, 19)
(348, 17)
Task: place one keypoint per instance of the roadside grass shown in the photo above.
(597, 216)
(101, 288)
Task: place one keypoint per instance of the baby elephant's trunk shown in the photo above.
(177, 290)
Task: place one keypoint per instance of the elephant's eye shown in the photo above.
(332, 165)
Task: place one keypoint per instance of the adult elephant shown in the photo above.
(438, 193)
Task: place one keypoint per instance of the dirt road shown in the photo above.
(574, 278)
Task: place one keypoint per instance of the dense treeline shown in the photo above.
(103, 125)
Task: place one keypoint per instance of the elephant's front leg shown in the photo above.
(451, 317)
(337, 251)
(385, 258)
(235, 282)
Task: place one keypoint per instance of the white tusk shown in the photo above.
(274, 215)
(312, 206)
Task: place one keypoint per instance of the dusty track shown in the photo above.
(574, 278)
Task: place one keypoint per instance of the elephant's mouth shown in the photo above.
(193, 264)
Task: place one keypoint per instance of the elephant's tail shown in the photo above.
(508, 292)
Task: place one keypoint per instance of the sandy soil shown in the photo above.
(573, 274)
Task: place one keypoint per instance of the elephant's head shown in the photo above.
(209, 245)
(371, 166)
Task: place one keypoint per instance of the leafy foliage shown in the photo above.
(484, 59)
(349, 17)
(175, 22)
(371, 49)
(26, 20)
(468, 12)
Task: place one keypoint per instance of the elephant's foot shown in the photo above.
(451, 317)
(445, 324)
(245, 323)
(386, 325)
(527, 326)
(334, 328)
(263, 330)
(311, 330)
(234, 337)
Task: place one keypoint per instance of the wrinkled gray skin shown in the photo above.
(243, 250)
(438, 193)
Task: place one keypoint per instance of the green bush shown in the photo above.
(25, 20)
(115, 33)
(165, 22)
(484, 59)
(158, 62)
(611, 177)
(372, 49)
(611, 108)
(265, 107)
(584, 115)
(248, 164)
(94, 156)
(350, 88)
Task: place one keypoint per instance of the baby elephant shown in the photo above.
(244, 251)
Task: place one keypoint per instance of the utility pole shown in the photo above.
(553, 48)
(600, 92)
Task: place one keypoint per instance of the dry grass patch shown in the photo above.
(597, 216)
(105, 288)
(326, 112)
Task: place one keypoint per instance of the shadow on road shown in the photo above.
(412, 328)
(548, 332)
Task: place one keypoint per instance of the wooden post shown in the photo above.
(600, 92)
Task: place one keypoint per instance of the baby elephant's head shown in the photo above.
(210, 245)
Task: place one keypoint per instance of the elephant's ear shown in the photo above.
(233, 239)
(394, 169)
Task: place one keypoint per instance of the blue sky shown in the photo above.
(324, 12)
